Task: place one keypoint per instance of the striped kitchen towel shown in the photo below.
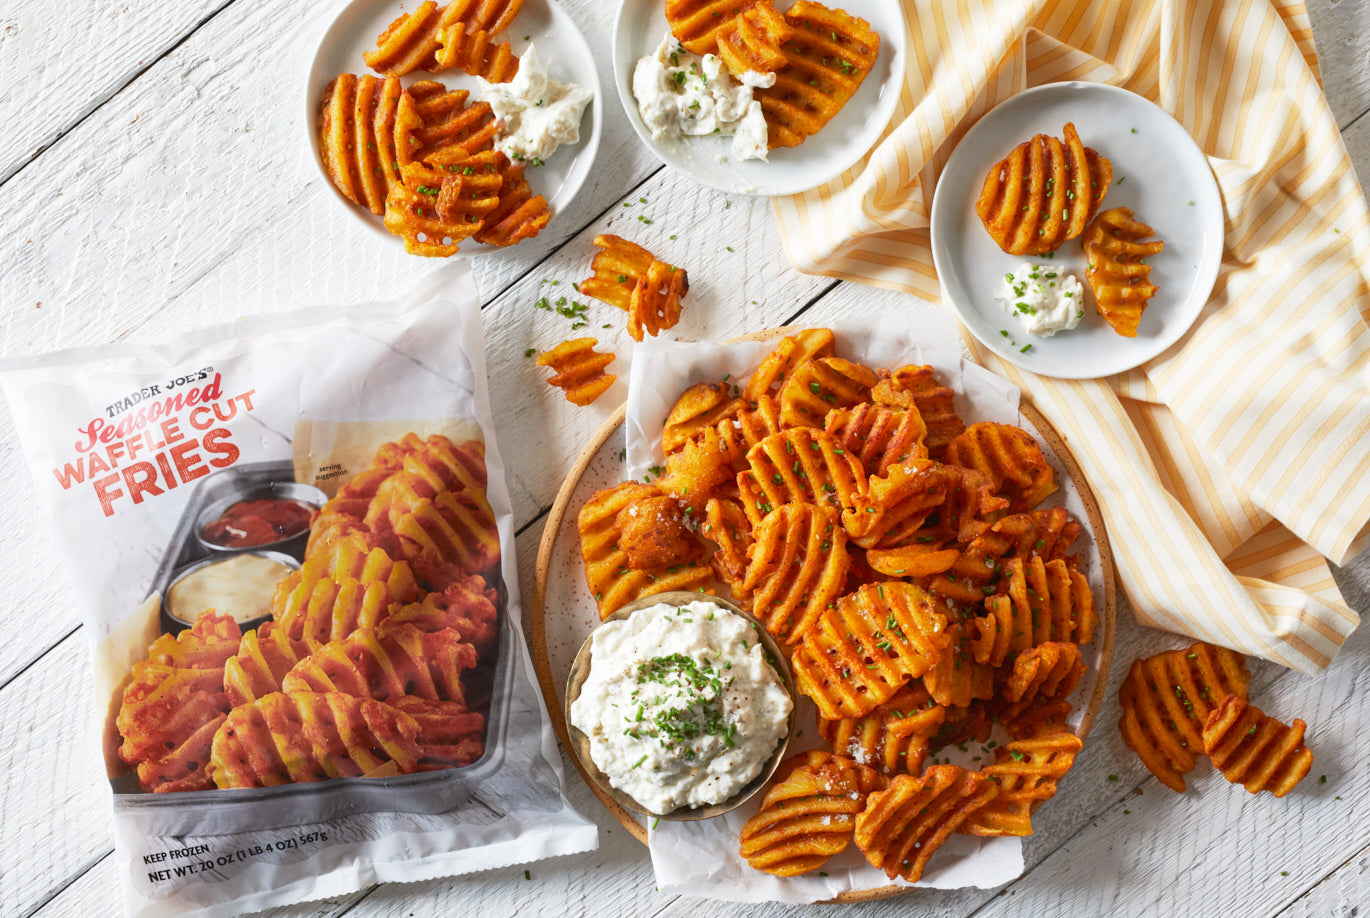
(1233, 465)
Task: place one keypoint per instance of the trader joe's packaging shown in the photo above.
(292, 545)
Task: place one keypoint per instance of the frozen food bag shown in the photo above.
(293, 550)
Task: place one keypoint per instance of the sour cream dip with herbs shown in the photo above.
(680, 706)
(1045, 299)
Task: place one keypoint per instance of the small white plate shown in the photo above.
(1158, 172)
(848, 137)
(541, 22)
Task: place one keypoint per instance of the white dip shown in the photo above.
(682, 94)
(680, 706)
(1044, 298)
(536, 114)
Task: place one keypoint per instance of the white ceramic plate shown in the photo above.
(1158, 172)
(638, 31)
(541, 22)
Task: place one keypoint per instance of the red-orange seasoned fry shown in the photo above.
(1027, 772)
(799, 465)
(1255, 750)
(815, 387)
(770, 375)
(1010, 458)
(626, 275)
(797, 567)
(1166, 698)
(579, 369)
(901, 827)
(1116, 268)
(880, 435)
(894, 737)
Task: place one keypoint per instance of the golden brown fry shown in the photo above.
(901, 827)
(802, 464)
(895, 507)
(1027, 772)
(829, 55)
(701, 406)
(770, 374)
(1166, 699)
(797, 567)
(865, 647)
(817, 386)
(912, 561)
(449, 736)
(386, 662)
(1116, 268)
(579, 369)
(752, 40)
(1043, 193)
(894, 737)
(727, 527)
(441, 127)
(807, 815)
(612, 582)
(1010, 458)
(410, 41)
(879, 435)
(1255, 750)
(334, 594)
(915, 386)
(956, 679)
(696, 23)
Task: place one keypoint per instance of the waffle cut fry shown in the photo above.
(802, 465)
(1047, 671)
(441, 127)
(1010, 458)
(815, 387)
(410, 41)
(957, 678)
(916, 386)
(880, 436)
(449, 736)
(701, 407)
(1045, 603)
(578, 370)
(797, 567)
(1166, 700)
(865, 647)
(265, 655)
(751, 41)
(332, 595)
(902, 827)
(1255, 750)
(1027, 772)
(696, 23)
(895, 507)
(807, 816)
(427, 470)
(519, 214)
(894, 737)
(412, 214)
(1043, 193)
(295, 737)
(770, 374)
(455, 528)
(1116, 268)
(465, 605)
(476, 53)
(726, 525)
(612, 582)
(385, 663)
(357, 133)
(626, 275)
(171, 698)
(829, 55)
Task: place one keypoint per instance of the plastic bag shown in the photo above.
(292, 546)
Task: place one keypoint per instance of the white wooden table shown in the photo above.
(154, 177)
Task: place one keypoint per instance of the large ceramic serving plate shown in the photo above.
(563, 611)
(561, 47)
(1159, 173)
(638, 31)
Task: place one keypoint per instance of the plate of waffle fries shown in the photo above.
(949, 620)
(400, 135)
(1079, 181)
(837, 75)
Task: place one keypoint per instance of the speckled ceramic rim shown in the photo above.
(535, 625)
(580, 743)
